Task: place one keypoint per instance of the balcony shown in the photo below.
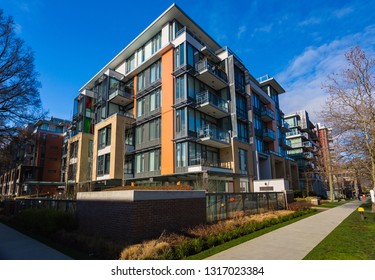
(215, 165)
(308, 155)
(268, 135)
(211, 74)
(308, 145)
(214, 137)
(121, 95)
(286, 144)
(212, 105)
(267, 114)
(241, 114)
(284, 127)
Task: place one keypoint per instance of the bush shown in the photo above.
(45, 221)
(299, 205)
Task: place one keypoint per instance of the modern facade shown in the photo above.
(270, 143)
(175, 106)
(305, 145)
(36, 164)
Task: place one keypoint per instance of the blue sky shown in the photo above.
(297, 42)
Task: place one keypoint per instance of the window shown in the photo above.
(154, 127)
(156, 43)
(155, 99)
(242, 132)
(104, 137)
(130, 63)
(103, 164)
(128, 167)
(243, 161)
(155, 72)
(179, 53)
(239, 78)
(180, 88)
(129, 137)
(44, 126)
(154, 160)
(140, 107)
(180, 120)
(140, 134)
(181, 154)
(73, 149)
(141, 81)
(140, 163)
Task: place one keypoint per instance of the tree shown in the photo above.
(350, 111)
(19, 96)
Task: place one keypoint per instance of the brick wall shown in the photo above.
(137, 220)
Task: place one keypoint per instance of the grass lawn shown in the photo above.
(353, 239)
(217, 249)
(332, 204)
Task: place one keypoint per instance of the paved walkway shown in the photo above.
(292, 242)
(17, 246)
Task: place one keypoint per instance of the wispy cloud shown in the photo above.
(343, 12)
(241, 30)
(17, 28)
(305, 74)
(310, 21)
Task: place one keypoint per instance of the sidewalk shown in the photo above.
(17, 246)
(292, 242)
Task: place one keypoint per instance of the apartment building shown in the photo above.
(36, 164)
(305, 150)
(270, 143)
(174, 106)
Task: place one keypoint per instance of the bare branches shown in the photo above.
(19, 96)
(350, 111)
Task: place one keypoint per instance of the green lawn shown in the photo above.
(353, 239)
(332, 204)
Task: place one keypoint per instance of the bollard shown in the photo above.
(361, 212)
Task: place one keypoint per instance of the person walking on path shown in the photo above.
(292, 242)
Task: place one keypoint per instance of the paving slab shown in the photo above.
(292, 242)
(17, 246)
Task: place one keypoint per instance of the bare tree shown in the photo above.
(19, 96)
(350, 110)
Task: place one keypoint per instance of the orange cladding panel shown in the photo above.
(167, 128)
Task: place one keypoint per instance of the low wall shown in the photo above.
(133, 216)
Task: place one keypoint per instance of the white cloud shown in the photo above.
(343, 12)
(241, 30)
(305, 74)
(17, 28)
(310, 21)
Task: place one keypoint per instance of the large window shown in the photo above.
(156, 43)
(73, 150)
(103, 164)
(155, 99)
(180, 120)
(181, 155)
(154, 126)
(179, 55)
(154, 160)
(130, 63)
(140, 107)
(242, 132)
(243, 161)
(104, 137)
(140, 163)
(140, 131)
(141, 81)
(180, 88)
(155, 72)
(239, 78)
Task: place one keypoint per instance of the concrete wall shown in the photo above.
(274, 185)
(133, 216)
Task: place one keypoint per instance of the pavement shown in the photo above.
(292, 242)
(17, 246)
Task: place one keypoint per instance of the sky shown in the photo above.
(299, 43)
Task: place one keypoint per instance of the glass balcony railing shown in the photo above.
(212, 68)
(268, 134)
(209, 97)
(212, 133)
(267, 114)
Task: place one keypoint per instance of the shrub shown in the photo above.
(299, 205)
(45, 221)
